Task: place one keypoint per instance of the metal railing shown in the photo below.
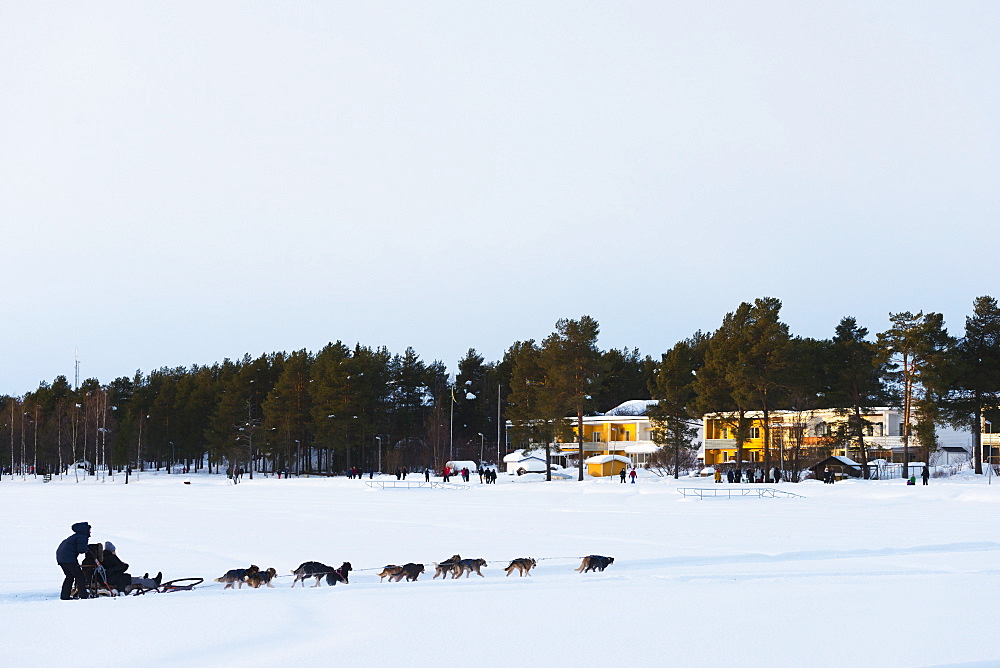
(412, 484)
(729, 492)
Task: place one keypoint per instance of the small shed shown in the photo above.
(955, 453)
(839, 466)
(600, 466)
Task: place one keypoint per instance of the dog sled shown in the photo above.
(180, 584)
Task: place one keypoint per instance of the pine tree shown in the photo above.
(573, 368)
(855, 369)
(628, 375)
(287, 410)
(675, 424)
(760, 362)
(531, 423)
(975, 362)
(472, 405)
(917, 349)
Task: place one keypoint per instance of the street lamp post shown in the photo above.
(481, 445)
(379, 439)
(298, 457)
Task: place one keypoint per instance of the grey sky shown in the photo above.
(188, 181)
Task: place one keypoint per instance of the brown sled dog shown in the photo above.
(261, 578)
(522, 566)
(467, 566)
(237, 576)
(446, 566)
(389, 571)
(595, 562)
(409, 571)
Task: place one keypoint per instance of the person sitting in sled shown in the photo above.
(118, 578)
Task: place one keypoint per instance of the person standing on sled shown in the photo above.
(66, 557)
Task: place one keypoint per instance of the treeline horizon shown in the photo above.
(345, 407)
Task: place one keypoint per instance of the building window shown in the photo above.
(754, 432)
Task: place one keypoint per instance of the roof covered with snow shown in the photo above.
(604, 459)
(632, 407)
(643, 448)
(522, 455)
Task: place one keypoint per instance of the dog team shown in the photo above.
(455, 565)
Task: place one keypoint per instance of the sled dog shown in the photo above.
(468, 566)
(389, 571)
(314, 569)
(261, 578)
(237, 576)
(409, 571)
(446, 566)
(595, 562)
(522, 566)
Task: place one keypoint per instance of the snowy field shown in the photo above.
(853, 574)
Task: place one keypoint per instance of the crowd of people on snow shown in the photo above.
(486, 475)
(749, 475)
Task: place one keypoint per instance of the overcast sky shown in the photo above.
(188, 181)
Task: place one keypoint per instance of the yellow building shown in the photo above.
(813, 431)
(625, 431)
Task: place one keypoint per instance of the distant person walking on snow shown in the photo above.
(622, 474)
(632, 475)
(926, 473)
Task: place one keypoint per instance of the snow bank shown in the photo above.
(867, 554)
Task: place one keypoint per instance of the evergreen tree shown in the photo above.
(758, 369)
(288, 410)
(573, 368)
(472, 400)
(331, 401)
(628, 375)
(916, 346)
(533, 415)
(713, 392)
(855, 369)
(675, 423)
(975, 361)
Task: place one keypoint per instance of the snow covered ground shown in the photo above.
(857, 574)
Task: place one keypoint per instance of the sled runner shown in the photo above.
(180, 584)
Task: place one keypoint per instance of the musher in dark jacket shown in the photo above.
(66, 555)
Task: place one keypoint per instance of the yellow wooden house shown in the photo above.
(624, 431)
